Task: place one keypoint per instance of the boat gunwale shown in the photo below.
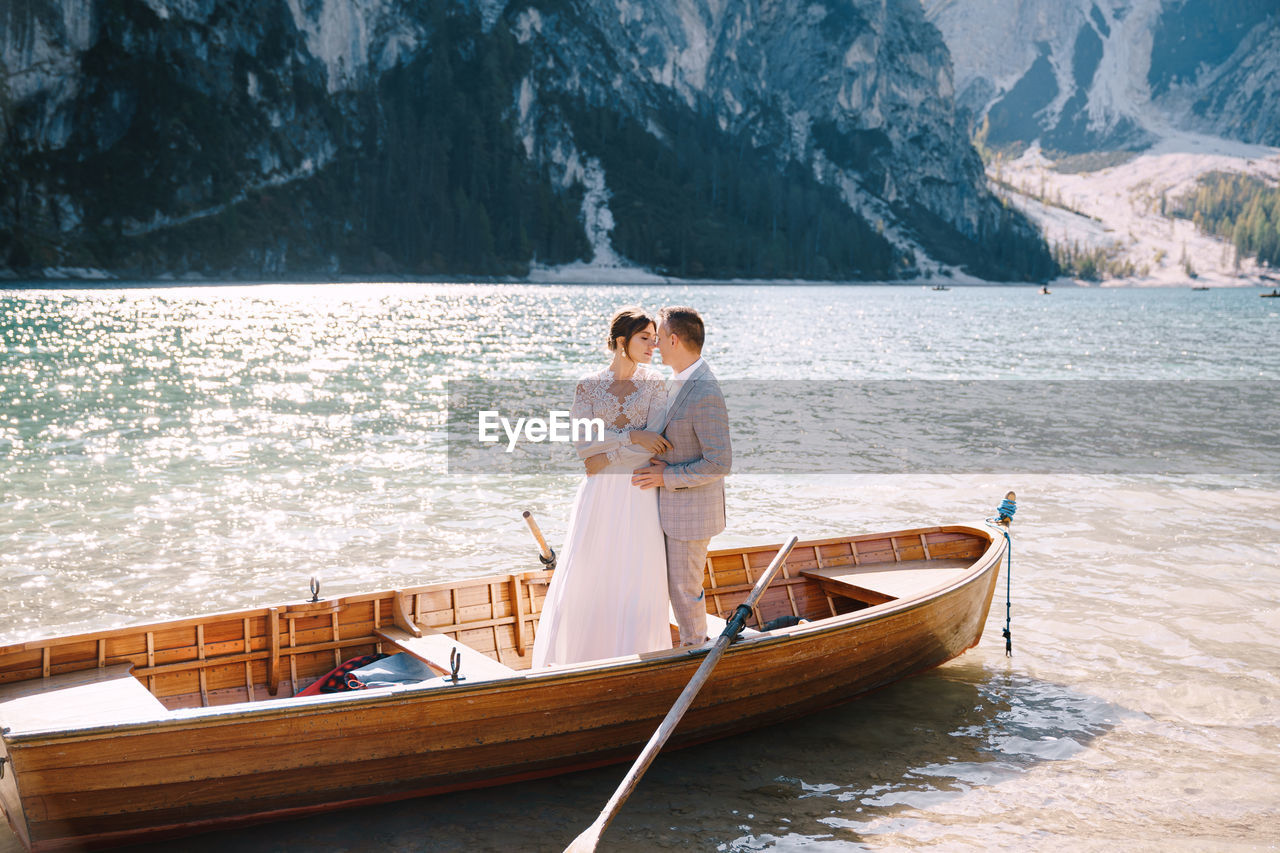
(357, 597)
(234, 713)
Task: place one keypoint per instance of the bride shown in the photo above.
(609, 595)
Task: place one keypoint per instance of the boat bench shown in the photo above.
(435, 650)
(888, 581)
(87, 697)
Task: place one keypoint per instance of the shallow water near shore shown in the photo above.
(167, 451)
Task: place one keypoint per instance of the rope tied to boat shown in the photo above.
(1005, 513)
(1007, 508)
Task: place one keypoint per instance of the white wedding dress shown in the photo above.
(608, 596)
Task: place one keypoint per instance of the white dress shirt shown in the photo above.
(674, 383)
(687, 372)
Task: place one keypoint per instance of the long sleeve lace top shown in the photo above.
(624, 405)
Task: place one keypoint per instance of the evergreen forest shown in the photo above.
(1244, 209)
(701, 204)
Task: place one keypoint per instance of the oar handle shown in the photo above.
(547, 556)
(590, 836)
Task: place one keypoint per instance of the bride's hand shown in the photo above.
(596, 464)
(650, 441)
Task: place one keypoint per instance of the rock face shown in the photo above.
(1091, 75)
(1061, 72)
(1100, 117)
(1216, 66)
(769, 138)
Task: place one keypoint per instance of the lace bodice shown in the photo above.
(624, 405)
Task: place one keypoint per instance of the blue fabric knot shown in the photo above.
(1007, 509)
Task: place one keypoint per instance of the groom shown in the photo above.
(691, 474)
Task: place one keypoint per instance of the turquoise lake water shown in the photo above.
(171, 450)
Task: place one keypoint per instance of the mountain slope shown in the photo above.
(1096, 115)
(321, 138)
(212, 138)
(1090, 75)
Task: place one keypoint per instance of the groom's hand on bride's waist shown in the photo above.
(650, 477)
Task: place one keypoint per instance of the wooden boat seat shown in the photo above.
(435, 649)
(881, 582)
(88, 697)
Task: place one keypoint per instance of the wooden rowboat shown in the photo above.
(178, 727)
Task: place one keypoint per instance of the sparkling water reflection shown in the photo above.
(171, 450)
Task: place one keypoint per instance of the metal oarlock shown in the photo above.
(455, 664)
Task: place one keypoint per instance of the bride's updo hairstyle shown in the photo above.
(626, 324)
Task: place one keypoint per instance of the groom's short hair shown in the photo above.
(686, 324)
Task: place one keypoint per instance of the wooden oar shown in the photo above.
(548, 556)
(590, 837)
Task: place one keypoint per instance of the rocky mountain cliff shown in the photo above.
(293, 138)
(1215, 67)
(1088, 75)
(1101, 119)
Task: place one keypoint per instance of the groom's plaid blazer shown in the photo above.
(691, 501)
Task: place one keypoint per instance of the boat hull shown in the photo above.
(211, 767)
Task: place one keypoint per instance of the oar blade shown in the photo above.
(586, 841)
